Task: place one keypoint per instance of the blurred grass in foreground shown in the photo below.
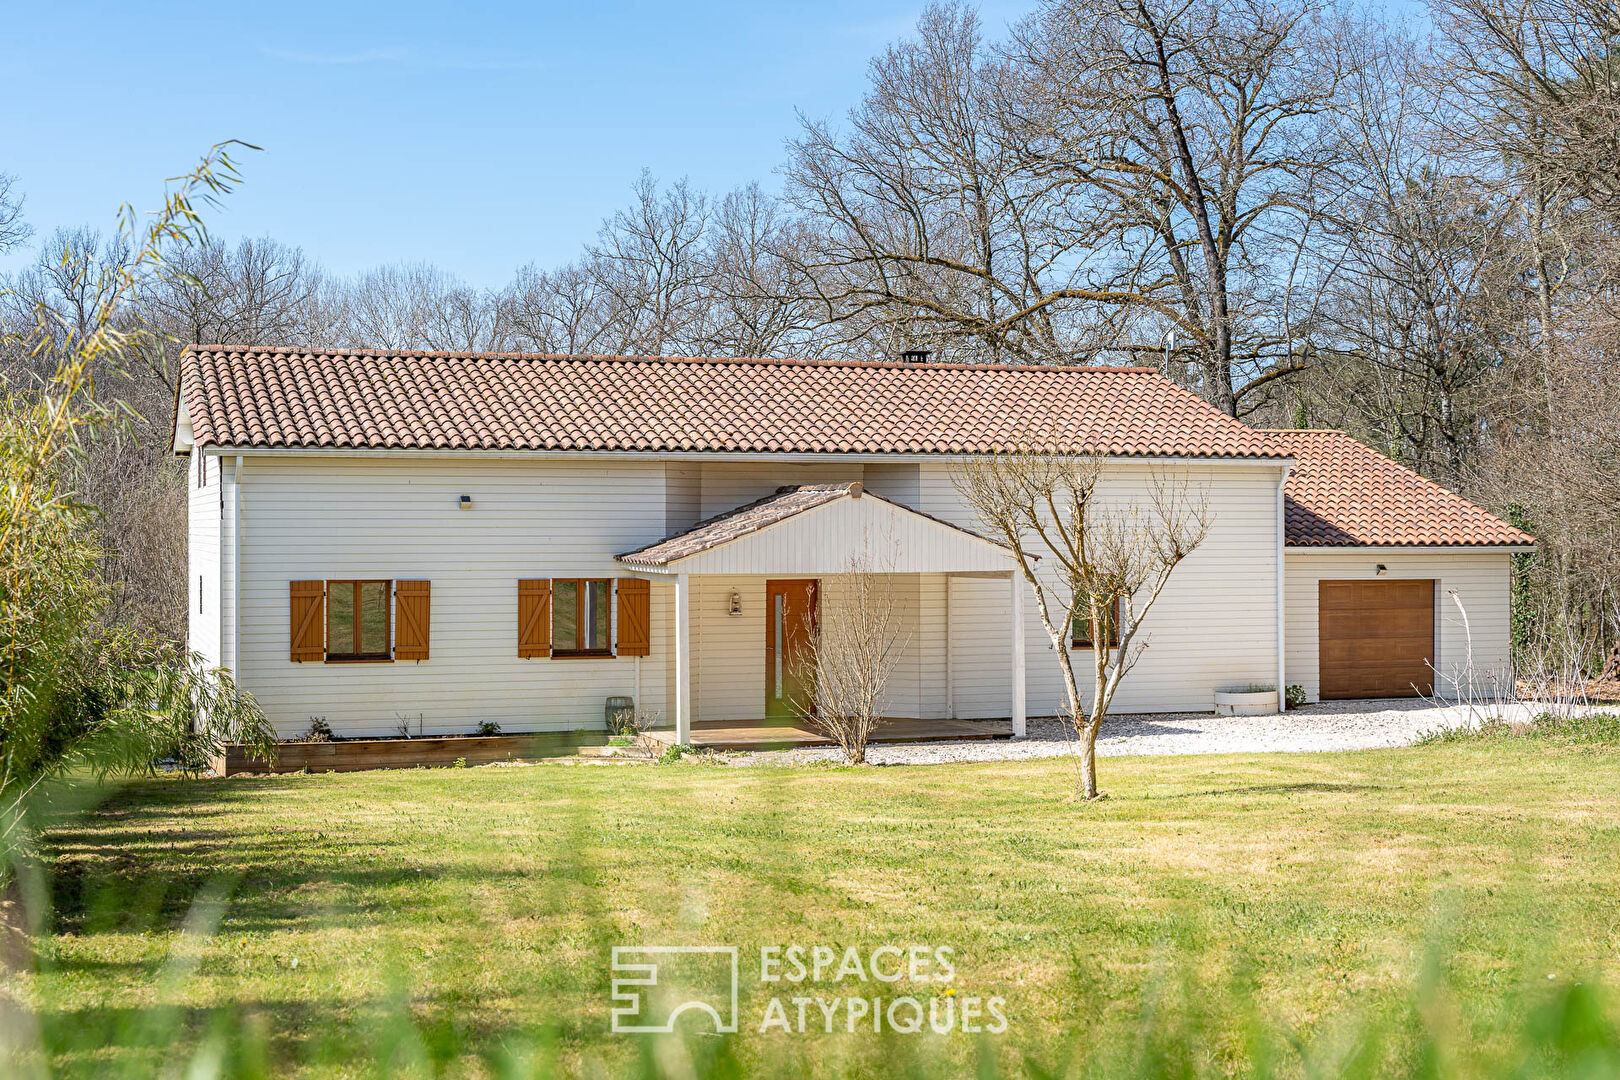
(1450, 910)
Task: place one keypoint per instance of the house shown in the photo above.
(439, 539)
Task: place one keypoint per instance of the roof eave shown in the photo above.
(1483, 548)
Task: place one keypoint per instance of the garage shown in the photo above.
(1376, 638)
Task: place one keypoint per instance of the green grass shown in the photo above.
(1388, 912)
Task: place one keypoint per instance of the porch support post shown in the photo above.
(683, 659)
(1018, 718)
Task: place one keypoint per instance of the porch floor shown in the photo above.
(777, 734)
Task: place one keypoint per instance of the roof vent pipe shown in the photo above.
(914, 356)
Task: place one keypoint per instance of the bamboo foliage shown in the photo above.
(74, 691)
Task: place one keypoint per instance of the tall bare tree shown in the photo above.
(929, 229)
(1190, 142)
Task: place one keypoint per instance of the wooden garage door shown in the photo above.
(1376, 638)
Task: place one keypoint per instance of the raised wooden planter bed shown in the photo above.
(353, 755)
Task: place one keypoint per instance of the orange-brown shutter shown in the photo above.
(412, 606)
(308, 620)
(534, 617)
(634, 617)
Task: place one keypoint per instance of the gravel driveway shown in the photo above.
(1328, 725)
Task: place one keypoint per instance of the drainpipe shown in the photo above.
(236, 570)
(1282, 533)
(950, 675)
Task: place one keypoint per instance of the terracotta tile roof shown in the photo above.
(751, 517)
(258, 397)
(1343, 493)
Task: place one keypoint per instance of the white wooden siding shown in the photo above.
(1215, 625)
(204, 510)
(728, 680)
(309, 516)
(313, 517)
(729, 484)
(1479, 579)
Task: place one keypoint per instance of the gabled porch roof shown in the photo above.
(822, 529)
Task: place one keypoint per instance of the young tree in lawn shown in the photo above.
(855, 652)
(1086, 558)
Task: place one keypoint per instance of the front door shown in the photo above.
(790, 639)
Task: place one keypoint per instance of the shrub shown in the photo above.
(1296, 697)
(1590, 729)
(487, 727)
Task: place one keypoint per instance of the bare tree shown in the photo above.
(418, 306)
(856, 649)
(14, 230)
(1540, 85)
(926, 227)
(1109, 563)
(1410, 334)
(649, 260)
(757, 306)
(1189, 139)
(566, 310)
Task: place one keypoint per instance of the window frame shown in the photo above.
(1076, 642)
(581, 610)
(384, 657)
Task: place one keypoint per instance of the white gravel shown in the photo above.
(1326, 726)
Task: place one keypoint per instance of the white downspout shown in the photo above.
(236, 570)
(950, 676)
(1282, 536)
(1017, 594)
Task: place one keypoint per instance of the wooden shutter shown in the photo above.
(534, 617)
(308, 622)
(634, 617)
(412, 606)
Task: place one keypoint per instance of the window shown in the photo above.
(357, 620)
(1083, 635)
(580, 617)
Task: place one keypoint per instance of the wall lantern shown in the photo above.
(466, 502)
(734, 605)
(1382, 569)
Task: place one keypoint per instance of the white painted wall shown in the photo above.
(205, 509)
(312, 516)
(1216, 623)
(729, 484)
(315, 517)
(729, 650)
(1479, 579)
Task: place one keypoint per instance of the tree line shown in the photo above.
(1309, 214)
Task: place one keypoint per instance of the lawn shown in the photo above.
(1433, 908)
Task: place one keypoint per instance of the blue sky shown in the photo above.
(477, 137)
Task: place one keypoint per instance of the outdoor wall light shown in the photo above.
(1382, 569)
(734, 606)
(466, 502)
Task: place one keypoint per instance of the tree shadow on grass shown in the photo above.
(1306, 787)
(105, 872)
